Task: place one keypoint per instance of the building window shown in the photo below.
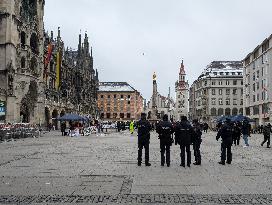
(128, 96)
(23, 39)
(227, 111)
(220, 82)
(242, 82)
(220, 91)
(101, 96)
(234, 91)
(227, 91)
(254, 98)
(227, 82)
(108, 96)
(241, 102)
(253, 87)
(115, 115)
(122, 115)
(23, 62)
(227, 101)
(34, 43)
(227, 73)
(220, 101)
(108, 115)
(213, 101)
(128, 115)
(258, 97)
(213, 91)
(233, 73)
(253, 77)
(213, 112)
(213, 82)
(262, 72)
(102, 115)
(234, 101)
(257, 85)
(128, 102)
(215, 73)
(235, 82)
(256, 110)
(122, 96)
(115, 109)
(220, 111)
(108, 109)
(114, 96)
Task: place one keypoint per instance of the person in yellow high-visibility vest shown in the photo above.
(131, 127)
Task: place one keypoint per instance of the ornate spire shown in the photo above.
(182, 70)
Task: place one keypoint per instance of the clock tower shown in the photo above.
(182, 94)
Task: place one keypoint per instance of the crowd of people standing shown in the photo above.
(185, 134)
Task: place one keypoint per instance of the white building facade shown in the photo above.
(257, 83)
(217, 91)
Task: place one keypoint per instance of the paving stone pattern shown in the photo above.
(103, 169)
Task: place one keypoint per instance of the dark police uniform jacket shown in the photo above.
(144, 128)
(183, 133)
(226, 133)
(165, 130)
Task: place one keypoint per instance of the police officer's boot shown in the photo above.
(229, 158)
(168, 158)
(162, 159)
(188, 159)
(182, 157)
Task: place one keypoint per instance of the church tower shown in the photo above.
(182, 94)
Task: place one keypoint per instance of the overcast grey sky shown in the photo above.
(166, 31)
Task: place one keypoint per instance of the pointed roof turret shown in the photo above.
(182, 70)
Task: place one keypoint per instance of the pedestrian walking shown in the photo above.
(236, 134)
(131, 127)
(183, 137)
(63, 128)
(225, 133)
(144, 128)
(165, 130)
(266, 133)
(196, 138)
(246, 129)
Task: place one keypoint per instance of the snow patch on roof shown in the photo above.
(115, 87)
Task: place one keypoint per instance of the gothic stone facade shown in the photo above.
(73, 88)
(21, 57)
(119, 101)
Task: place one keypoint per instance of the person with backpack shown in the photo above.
(266, 132)
(183, 137)
(225, 133)
(165, 131)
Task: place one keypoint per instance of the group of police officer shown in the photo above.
(185, 135)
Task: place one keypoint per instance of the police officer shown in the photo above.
(144, 128)
(165, 131)
(196, 138)
(266, 132)
(183, 137)
(225, 132)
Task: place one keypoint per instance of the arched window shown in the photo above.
(33, 65)
(241, 111)
(227, 111)
(234, 111)
(23, 39)
(23, 61)
(213, 112)
(34, 43)
(220, 111)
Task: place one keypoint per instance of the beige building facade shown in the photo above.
(217, 91)
(257, 83)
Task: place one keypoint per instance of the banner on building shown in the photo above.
(58, 65)
(47, 59)
(2, 110)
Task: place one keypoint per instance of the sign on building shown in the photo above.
(2, 110)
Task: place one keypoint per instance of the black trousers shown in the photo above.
(182, 154)
(266, 138)
(236, 140)
(165, 147)
(226, 148)
(140, 151)
(196, 147)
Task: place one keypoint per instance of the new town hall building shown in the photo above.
(39, 78)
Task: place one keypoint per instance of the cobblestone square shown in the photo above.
(103, 169)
